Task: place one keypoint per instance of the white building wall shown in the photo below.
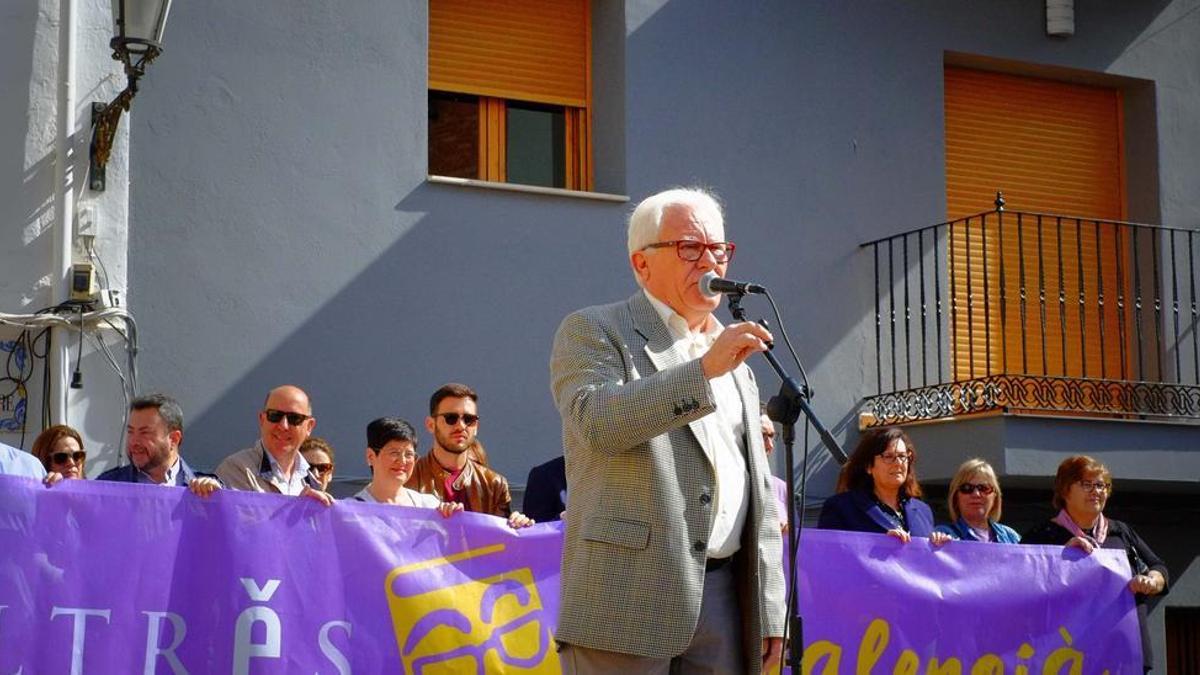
(39, 77)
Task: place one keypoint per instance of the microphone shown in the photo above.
(712, 285)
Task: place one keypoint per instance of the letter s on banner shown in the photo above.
(330, 650)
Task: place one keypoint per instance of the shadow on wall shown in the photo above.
(472, 292)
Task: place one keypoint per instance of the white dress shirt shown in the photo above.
(721, 434)
(293, 486)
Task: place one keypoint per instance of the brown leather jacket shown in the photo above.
(487, 491)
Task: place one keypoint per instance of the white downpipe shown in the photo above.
(64, 202)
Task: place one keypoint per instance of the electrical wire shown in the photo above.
(788, 341)
(127, 392)
(79, 317)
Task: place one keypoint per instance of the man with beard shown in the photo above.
(152, 441)
(274, 463)
(449, 471)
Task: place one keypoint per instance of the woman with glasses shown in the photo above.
(60, 448)
(1081, 490)
(391, 455)
(319, 455)
(974, 506)
(877, 490)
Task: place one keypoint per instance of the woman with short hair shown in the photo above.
(1082, 487)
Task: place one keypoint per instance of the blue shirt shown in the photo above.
(961, 530)
(16, 462)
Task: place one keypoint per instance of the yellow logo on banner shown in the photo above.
(494, 624)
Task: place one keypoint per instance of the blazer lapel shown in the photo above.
(660, 350)
(868, 506)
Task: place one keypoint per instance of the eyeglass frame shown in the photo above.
(984, 489)
(280, 415)
(1094, 485)
(468, 418)
(896, 458)
(78, 456)
(320, 468)
(404, 455)
(729, 247)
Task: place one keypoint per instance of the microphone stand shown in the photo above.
(785, 408)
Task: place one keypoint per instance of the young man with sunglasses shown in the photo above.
(449, 472)
(152, 440)
(672, 554)
(274, 463)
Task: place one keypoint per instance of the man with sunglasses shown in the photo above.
(672, 556)
(152, 440)
(449, 471)
(274, 463)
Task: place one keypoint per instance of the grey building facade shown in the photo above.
(283, 226)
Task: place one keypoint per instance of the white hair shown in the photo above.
(646, 219)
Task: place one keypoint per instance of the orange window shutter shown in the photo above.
(1051, 147)
(527, 50)
(579, 150)
(493, 151)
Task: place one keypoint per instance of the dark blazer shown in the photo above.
(546, 491)
(856, 511)
(129, 474)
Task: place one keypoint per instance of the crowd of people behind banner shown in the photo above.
(877, 489)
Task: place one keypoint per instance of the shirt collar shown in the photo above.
(169, 477)
(270, 466)
(678, 327)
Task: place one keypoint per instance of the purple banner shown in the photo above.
(872, 604)
(120, 578)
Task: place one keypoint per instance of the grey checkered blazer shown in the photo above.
(640, 490)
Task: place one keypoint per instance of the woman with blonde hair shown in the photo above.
(975, 506)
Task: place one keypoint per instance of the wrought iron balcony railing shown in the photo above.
(1020, 311)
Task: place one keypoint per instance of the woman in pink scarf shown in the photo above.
(1081, 489)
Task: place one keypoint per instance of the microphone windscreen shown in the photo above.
(705, 284)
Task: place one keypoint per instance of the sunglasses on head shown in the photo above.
(293, 418)
(971, 488)
(62, 457)
(467, 418)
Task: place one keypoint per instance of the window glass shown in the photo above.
(536, 153)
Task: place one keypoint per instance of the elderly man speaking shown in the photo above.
(672, 558)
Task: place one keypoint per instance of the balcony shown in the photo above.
(1048, 321)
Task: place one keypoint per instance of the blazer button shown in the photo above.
(699, 547)
(705, 498)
